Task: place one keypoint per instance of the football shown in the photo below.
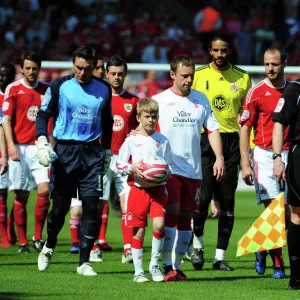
(154, 170)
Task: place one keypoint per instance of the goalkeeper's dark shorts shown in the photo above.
(79, 167)
(293, 176)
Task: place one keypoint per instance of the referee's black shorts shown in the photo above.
(79, 167)
(231, 153)
(293, 176)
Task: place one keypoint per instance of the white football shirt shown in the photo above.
(181, 120)
(138, 147)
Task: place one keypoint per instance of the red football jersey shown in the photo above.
(1, 98)
(21, 103)
(124, 112)
(259, 106)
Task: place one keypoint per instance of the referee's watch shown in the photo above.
(275, 155)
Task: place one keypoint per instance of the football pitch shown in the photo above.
(20, 278)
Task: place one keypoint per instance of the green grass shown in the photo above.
(20, 278)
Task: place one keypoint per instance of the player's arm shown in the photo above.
(3, 159)
(12, 149)
(216, 145)
(48, 109)
(247, 172)
(107, 120)
(277, 142)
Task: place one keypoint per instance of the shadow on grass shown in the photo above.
(225, 278)
(17, 296)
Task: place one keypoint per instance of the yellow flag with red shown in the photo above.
(267, 232)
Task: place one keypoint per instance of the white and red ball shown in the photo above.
(154, 170)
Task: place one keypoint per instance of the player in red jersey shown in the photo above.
(7, 75)
(260, 103)
(21, 102)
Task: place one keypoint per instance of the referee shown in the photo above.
(80, 105)
(287, 113)
(225, 86)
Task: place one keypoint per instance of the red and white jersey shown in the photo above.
(181, 120)
(1, 98)
(138, 147)
(258, 109)
(21, 103)
(124, 113)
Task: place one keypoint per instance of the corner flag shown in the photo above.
(267, 232)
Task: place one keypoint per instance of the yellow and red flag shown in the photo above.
(267, 232)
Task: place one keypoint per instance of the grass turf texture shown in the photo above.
(20, 278)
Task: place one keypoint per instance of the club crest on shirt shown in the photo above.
(196, 104)
(128, 107)
(157, 143)
(234, 87)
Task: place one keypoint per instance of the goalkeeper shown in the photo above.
(81, 107)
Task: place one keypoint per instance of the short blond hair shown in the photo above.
(147, 105)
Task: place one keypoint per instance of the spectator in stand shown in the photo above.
(149, 86)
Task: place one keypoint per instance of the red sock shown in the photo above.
(277, 258)
(3, 219)
(20, 216)
(127, 233)
(11, 233)
(74, 225)
(40, 215)
(103, 227)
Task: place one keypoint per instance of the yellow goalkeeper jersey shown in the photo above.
(226, 91)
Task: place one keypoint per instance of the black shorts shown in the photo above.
(78, 167)
(231, 153)
(293, 176)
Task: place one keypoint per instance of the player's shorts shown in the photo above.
(141, 201)
(23, 173)
(266, 185)
(79, 167)
(185, 191)
(4, 181)
(293, 176)
(111, 177)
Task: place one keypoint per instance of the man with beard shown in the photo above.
(225, 86)
(259, 106)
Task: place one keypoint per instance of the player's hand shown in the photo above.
(3, 165)
(279, 169)
(137, 169)
(219, 169)
(13, 153)
(247, 175)
(107, 160)
(45, 153)
(134, 132)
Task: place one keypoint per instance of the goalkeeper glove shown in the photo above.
(107, 160)
(45, 153)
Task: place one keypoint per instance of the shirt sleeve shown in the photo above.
(249, 115)
(9, 102)
(286, 107)
(168, 155)
(123, 165)
(210, 122)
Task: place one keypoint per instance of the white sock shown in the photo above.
(166, 253)
(220, 254)
(156, 250)
(137, 255)
(198, 242)
(183, 240)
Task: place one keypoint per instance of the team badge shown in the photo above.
(234, 87)
(245, 116)
(128, 107)
(196, 104)
(157, 144)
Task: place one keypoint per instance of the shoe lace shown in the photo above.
(156, 271)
